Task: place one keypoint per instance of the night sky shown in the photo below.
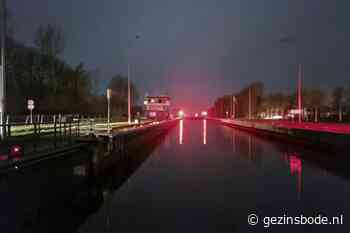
(197, 50)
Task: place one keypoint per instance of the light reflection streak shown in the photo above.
(296, 168)
(181, 132)
(204, 131)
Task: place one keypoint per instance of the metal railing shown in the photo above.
(40, 136)
(73, 127)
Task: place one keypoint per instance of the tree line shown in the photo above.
(37, 72)
(331, 104)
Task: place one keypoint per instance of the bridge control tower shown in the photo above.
(157, 107)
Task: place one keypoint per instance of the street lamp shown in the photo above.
(129, 88)
(300, 74)
(108, 110)
(2, 75)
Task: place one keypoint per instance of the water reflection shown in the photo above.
(189, 123)
(181, 132)
(252, 147)
(295, 168)
(204, 131)
(212, 188)
(58, 195)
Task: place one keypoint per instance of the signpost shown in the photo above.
(30, 106)
(109, 110)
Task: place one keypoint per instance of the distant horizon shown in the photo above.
(201, 49)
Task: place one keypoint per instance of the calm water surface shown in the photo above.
(205, 177)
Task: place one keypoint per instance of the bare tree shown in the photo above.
(119, 86)
(95, 77)
(49, 39)
(50, 42)
(338, 101)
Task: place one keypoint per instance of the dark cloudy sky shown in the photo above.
(196, 50)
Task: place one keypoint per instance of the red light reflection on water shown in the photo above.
(181, 132)
(204, 132)
(295, 167)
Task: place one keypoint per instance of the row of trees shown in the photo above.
(327, 104)
(38, 73)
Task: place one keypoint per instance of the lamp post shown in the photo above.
(300, 74)
(2, 75)
(129, 86)
(108, 110)
(233, 106)
(129, 96)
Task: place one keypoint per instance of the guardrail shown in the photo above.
(57, 128)
(21, 139)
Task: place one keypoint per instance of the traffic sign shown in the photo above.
(30, 104)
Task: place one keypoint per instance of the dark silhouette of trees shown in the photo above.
(119, 87)
(314, 99)
(338, 101)
(49, 40)
(50, 43)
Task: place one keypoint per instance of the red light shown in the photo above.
(196, 115)
(296, 168)
(181, 113)
(204, 113)
(16, 151)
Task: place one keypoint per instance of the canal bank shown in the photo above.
(331, 136)
(56, 192)
(100, 143)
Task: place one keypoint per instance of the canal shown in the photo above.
(197, 177)
(204, 177)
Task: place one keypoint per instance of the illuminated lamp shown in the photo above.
(181, 113)
(16, 151)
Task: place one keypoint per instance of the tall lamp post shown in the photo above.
(300, 74)
(108, 110)
(129, 96)
(2, 78)
(129, 86)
